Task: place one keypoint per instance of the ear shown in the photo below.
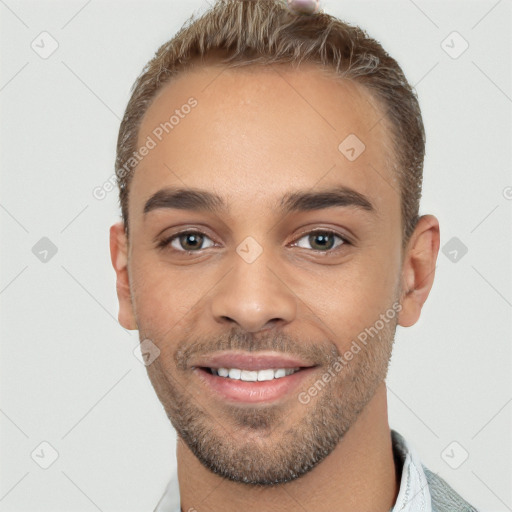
(119, 257)
(418, 269)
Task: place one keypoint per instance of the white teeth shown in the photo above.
(280, 373)
(266, 374)
(234, 373)
(249, 375)
(253, 375)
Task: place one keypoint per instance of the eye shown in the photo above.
(322, 240)
(186, 241)
(193, 241)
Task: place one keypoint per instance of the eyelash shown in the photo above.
(166, 242)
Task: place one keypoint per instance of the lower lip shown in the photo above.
(252, 392)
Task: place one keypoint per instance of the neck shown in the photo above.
(359, 474)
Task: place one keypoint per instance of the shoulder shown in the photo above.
(428, 490)
(444, 498)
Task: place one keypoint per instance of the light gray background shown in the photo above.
(68, 373)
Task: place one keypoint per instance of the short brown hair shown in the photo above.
(267, 32)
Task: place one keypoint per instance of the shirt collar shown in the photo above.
(413, 495)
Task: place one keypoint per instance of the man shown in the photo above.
(286, 148)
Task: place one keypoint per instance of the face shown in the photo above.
(278, 252)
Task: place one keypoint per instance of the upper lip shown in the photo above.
(250, 361)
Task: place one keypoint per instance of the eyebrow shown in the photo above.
(205, 201)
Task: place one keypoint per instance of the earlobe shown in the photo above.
(119, 258)
(418, 269)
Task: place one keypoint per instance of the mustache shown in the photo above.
(318, 353)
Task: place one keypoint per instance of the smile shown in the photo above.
(252, 386)
(252, 375)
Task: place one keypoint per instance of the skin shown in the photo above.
(255, 135)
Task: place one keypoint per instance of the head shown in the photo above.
(287, 150)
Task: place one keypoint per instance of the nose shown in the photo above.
(254, 296)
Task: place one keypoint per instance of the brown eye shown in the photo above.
(188, 241)
(321, 241)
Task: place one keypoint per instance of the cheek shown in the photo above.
(353, 298)
(163, 298)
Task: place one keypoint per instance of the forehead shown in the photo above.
(255, 132)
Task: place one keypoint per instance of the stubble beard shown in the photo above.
(257, 445)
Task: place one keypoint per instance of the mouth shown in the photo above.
(252, 378)
(252, 375)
